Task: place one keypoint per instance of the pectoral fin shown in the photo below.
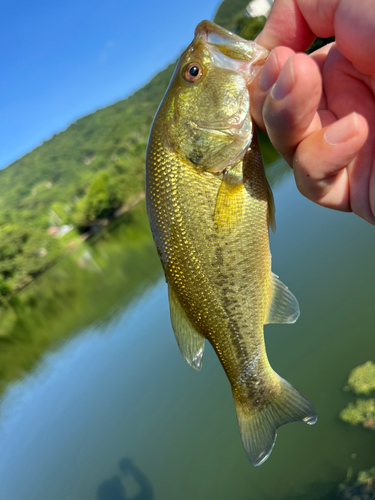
(190, 341)
(230, 205)
(284, 306)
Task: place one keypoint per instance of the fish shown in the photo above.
(210, 209)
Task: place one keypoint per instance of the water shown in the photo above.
(97, 403)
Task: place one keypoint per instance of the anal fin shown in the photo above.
(284, 306)
(190, 341)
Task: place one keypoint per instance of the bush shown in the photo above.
(360, 412)
(362, 378)
(104, 196)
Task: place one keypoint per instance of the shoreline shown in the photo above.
(71, 246)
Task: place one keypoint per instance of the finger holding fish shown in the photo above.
(264, 80)
(313, 121)
(326, 159)
(338, 174)
(286, 100)
(286, 26)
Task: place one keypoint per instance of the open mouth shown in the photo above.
(211, 32)
(229, 44)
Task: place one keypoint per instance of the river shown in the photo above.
(98, 404)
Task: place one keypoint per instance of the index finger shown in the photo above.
(286, 26)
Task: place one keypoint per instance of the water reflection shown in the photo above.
(87, 288)
(120, 487)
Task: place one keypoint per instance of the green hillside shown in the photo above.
(83, 175)
(61, 168)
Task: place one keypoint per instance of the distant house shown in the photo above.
(42, 252)
(53, 230)
(89, 159)
(64, 229)
(59, 231)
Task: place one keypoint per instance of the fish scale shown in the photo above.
(210, 207)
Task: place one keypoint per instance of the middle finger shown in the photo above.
(290, 109)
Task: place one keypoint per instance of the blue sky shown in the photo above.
(61, 60)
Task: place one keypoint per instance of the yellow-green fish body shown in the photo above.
(210, 208)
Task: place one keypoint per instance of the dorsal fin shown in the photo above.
(284, 306)
(189, 340)
(271, 209)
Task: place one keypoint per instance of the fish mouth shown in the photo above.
(213, 33)
(235, 50)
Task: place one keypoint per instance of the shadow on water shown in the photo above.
(130, 484)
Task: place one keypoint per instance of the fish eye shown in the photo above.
(193, 72)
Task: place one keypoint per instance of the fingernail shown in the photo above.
(269, 73)
(285, 81)
(342, 130)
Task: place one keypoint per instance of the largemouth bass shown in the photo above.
(210, 207)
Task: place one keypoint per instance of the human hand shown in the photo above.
(319, 110)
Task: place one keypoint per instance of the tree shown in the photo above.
(106, 194)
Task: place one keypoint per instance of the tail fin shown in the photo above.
(258, 426)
